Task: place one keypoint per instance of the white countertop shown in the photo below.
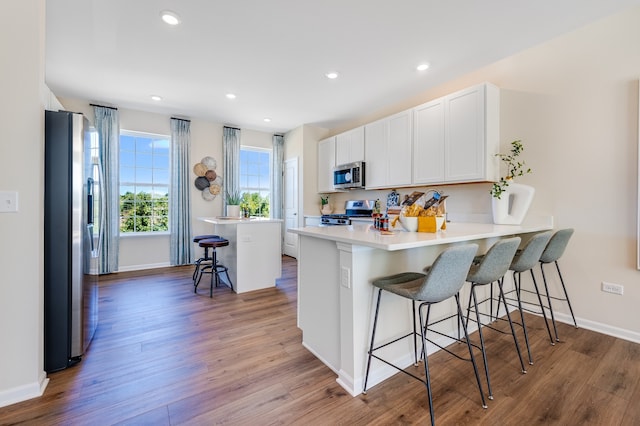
(225, 220)
(363, 234)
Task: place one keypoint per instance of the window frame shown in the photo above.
(150, 185)
(270, 163)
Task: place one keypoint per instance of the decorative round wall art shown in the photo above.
(208, 182)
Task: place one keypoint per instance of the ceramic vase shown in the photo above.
(513, 204)
(326, 209)
(233, 211)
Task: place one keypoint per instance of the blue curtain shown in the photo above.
(108, 128)
(277, 158)
(179, 193)
(231, 157)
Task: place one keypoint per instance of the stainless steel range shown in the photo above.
(353, 208)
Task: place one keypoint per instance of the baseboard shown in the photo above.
(609, 330)
(143, 267)
(24, 392)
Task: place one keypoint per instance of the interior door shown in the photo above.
(291, 217)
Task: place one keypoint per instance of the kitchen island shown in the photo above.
(254, 254)
(336, 265)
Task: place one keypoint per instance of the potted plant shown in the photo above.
(233, 200)
(510, 201)
(514, 168)
(324, 202)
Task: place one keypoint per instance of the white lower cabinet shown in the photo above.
(388, 151)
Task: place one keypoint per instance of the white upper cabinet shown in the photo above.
(456, 137)
(428, 142)
(350, 146)
(388, 151)
(326, 163)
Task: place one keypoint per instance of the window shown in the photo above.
(144, 182)
(255, 180)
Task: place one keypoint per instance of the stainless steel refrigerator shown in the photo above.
(72, 233)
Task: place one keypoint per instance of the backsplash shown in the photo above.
(468, 198)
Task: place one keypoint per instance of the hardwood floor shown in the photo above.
(163, 355)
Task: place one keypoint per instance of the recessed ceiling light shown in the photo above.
(267, 120)
(230, 96)
(156, 98)
(170, 17)
(332, 75)
(422, 67)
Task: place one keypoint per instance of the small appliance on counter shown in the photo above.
(353, 209)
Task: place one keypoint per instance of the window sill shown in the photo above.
(143, 234)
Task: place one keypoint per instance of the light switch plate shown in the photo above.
(8, 201)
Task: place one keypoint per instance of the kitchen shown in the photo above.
(551, 97)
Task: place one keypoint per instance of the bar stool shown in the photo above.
(443, 281)
(206, 257)
(488, 269)
(525, 260)
(215, 268)
(554, 251)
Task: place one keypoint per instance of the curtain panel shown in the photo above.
(108, 129)
(181, 248)
(231, 158)
(277, 159)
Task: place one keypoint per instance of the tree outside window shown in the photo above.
(255, 180)
(144, 182)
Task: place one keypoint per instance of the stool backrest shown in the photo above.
(530, 254)
(447, 273)
(557, 244)
(495, 263)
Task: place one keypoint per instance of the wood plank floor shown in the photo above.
(165, 356)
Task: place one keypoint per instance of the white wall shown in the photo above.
(574, 103)
(21, 159)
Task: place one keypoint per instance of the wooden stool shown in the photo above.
(215, 268)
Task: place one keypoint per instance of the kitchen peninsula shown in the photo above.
(336, 265)
(254, 255)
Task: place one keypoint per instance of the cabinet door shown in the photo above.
(350, 146)
(465, 134)
(428, 142)
(326, 163)
(399, 150)
(375, 139)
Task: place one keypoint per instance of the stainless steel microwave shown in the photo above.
(347, 176)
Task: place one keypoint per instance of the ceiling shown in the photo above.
(274, 54)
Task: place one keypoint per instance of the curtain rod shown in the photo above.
(182, 119)
(234, 128)
(103, 106)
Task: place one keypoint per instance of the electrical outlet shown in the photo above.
(612, 288)
(345, 278)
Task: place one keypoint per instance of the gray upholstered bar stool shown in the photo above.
(443, 281)
(484, 270)
(215, 268)
(525, 260)
(206, 257)
(554, 251)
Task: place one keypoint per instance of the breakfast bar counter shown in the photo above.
(254, 255)
(336, 265)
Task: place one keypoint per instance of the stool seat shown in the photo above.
(213, 242)
(198, 238)
(211, 265)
